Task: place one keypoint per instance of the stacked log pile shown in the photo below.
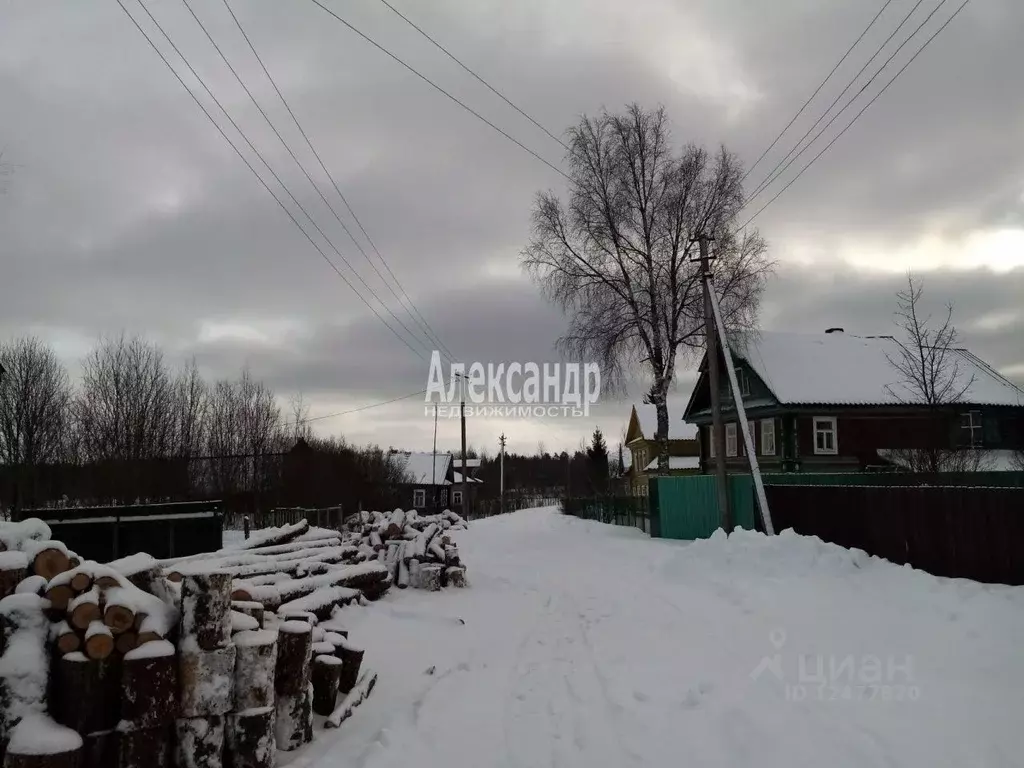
(221, 658)
(119, 665)
(418, 551)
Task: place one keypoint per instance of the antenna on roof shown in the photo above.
(835, 330)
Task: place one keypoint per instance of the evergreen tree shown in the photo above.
(597, 460)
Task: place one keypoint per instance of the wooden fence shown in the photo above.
(324, 517)
(965, 532)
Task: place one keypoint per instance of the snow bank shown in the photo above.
(585, 645)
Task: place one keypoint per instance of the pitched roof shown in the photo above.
(647, 416)
(457, 479)
(676, 462)
(425, 468)
(842, 369)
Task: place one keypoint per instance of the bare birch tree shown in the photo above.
(299, 427)
(617, 255)
(35, 397)
(244, 424)
(191, 403)
(929, 372)
(125, 408)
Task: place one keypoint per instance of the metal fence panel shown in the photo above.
(955, 531)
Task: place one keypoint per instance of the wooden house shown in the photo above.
(834, 402)
(641, 460)
(430, 482)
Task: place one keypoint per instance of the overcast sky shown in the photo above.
(124, 209)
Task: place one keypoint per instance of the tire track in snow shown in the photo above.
(558, 710)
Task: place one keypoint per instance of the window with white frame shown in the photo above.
(826, 440)
(730, 439)
(711, 442)
(972, 424)
(744, 382)
(419, 498)
(456, 498)
(768, 437)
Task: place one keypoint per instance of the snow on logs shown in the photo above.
(410, 547)
(38, 742)
(137, 669)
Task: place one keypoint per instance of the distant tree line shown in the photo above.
(587, 471)
(135, 427)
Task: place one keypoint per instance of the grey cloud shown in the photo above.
(129, 212)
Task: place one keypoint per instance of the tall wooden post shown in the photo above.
(711, 337)
(465, 471)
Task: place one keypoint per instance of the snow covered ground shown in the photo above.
(581, 645)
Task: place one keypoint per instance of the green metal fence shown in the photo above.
(628, 511)
(686, 507)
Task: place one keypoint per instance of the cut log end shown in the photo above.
(69, 642)
(119, 618)
(99, 646)
(80, 582)
(126, 641)
(60, 596)
(85, 614)
(51, 561)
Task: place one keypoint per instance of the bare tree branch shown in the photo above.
(928, 364)
(616, 256)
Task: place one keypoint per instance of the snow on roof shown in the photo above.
(676, 462)
(470, 463)
(425, 468)
(842, 369)
(677, 428)
(457, 478)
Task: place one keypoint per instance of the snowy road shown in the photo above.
(581, 645)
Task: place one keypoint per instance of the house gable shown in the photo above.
(758, 393)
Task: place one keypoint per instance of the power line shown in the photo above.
(354, 410)
(431, 334)
(772, 175)
(857, 116)
(298, 162)
(441, 90)
(494, 90)
(816, 90)
(248, 164)
(849, 103)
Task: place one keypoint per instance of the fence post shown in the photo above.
(245, 525)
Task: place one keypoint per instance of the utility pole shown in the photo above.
(568, 475)
(433, 464)
(711, 337)
(501, 486)
(465, 470)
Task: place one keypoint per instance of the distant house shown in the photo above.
(641, 459)
(833, 402)
(472, 481)
(430, 482)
